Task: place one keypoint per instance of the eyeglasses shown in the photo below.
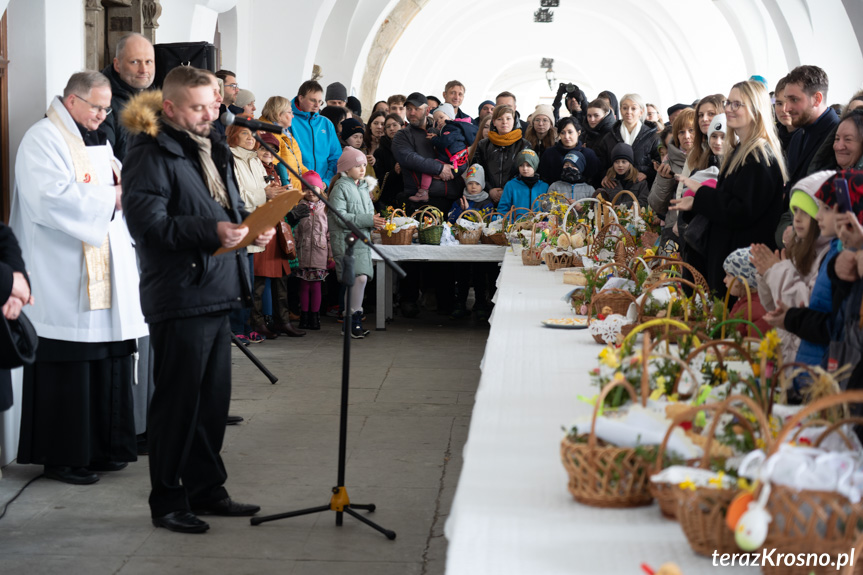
(94, 107)
(733, 105)
(234, 86)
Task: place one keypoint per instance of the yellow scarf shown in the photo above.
(507, 139)
(97, 258)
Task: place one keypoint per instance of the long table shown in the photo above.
(512, 513)
(422, 253)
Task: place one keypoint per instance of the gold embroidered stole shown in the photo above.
(97, 258)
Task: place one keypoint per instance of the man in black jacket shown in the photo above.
(816, 122)
(132, 71)
(181, 203)
(414, 152)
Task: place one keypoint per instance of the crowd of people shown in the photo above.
(124, 192)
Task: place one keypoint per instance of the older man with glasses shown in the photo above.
(77, 414)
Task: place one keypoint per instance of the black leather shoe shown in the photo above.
(72, 475)
(107, 465)
(227, 507)
(234, 419)
(181, 522)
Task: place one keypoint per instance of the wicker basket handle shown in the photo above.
(631, 195)
(591, 440)
(757, 411)
(435, 214)
(657, 322)
(830, 428)
(475, 213)
(716, 345)
(814, 407)
(748, 306)
(688, 414)
(395, 212)
(696, 290)
(615, 265)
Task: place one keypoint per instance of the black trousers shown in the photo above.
(186, 424)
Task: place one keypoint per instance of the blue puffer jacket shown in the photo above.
(821, 300)
(516, 193)
(318, 142)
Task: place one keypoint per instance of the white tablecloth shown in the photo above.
(459, 253)
(422, 253)
(512, 513)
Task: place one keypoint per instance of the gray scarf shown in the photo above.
(212, 178)
(481, 196)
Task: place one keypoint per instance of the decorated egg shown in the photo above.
(583, 309)
(563, 240)
(737, 508)
(577, 241)
(751, 530)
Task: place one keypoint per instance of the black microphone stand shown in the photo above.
(253, 358)
(339, 502)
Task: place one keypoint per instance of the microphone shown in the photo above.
(230, 119)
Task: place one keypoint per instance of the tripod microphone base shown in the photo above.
(341, 504)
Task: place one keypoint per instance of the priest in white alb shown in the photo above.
(77, 413)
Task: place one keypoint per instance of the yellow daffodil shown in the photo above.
(657, 394)
(744, 485)
(717, 481)
(609, 357)
(688, 484)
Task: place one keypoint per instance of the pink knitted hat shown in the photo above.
(351, 158)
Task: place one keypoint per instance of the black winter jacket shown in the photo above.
(644, 149)
(416, 155)
(111, 127)
(498, 162)
(172, 218)
(743, 209)
(591, 137)
(385, 169)
(10, 262)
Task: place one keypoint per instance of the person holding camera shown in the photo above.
(576, 102)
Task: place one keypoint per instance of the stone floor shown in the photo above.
(412, 391)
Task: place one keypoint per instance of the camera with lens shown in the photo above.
(268, 179)
(571, 88)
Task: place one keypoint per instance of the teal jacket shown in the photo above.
(318, 142)
(353, 202)
(517, 194)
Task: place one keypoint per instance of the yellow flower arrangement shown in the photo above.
(768, 347)
(608, 356)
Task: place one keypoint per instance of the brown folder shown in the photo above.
(265, 217)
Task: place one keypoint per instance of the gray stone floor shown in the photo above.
(412, 391)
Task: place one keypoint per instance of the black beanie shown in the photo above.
(622, 151)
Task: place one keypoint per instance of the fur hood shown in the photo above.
(142, 113)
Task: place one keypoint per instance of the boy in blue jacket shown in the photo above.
(314, 133)
(526, 187)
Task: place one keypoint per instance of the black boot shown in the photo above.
(357, 331)
(314, 320)
(304, 320)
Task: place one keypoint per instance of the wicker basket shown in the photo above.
(603, 475)
(468, 237)
(701, 512)
(498, 239)
(399, 238)
(667, 264)
(624, 247)
(531, 256)
(429, 233)
(695, 325)
(812, 521)
(556, 262)
(668, 495)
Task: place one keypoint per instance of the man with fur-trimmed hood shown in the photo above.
(182, 204)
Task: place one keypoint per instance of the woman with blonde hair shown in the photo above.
(746, 204)
(631, 129)
(278, 110)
